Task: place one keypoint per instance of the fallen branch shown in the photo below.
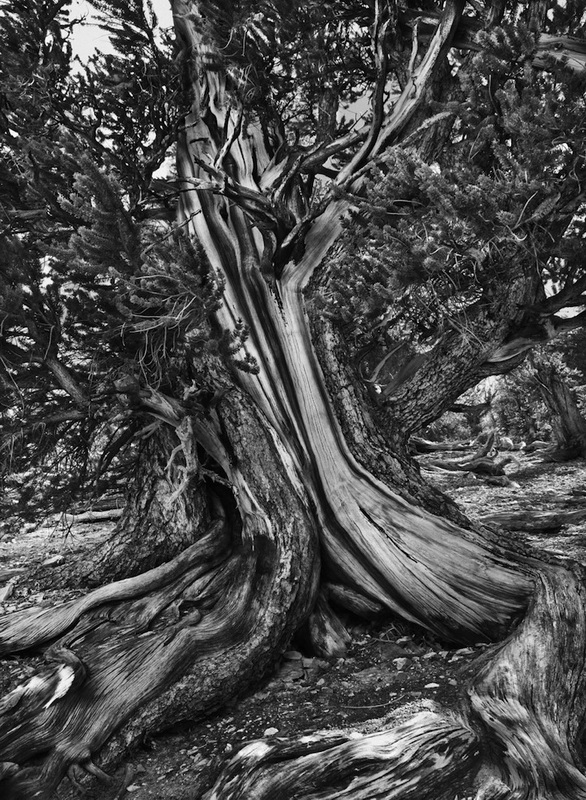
(425, 446)
(92, 516)
(533, 521)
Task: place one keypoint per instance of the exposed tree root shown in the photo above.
(226, 615)
(420, 759)
(524, 722)
(25, 629)
(531, 521)
(420, 445)
(530, 693)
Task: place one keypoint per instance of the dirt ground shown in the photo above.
(388, 673)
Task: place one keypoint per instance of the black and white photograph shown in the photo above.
(292, 400)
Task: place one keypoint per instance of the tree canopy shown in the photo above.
(100, 289)
(483, 187)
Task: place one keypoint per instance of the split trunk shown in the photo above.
(304, 508)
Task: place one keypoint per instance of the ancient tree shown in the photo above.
(567, 421)
(371, 199)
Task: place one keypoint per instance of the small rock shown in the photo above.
(134, 787)
(292, 655)
(271, 732)
(371, 675)
(431, 686)
(400, 663)
(452, 681)
(320, 682)
(390, 650)
(429, 655)
(465, 651)
(7, 590)
(291, 672)
(53, 560)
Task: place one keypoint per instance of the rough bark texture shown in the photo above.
(530, 694)
(567, 421)
(322, 511)
(165, 511)
(423, 758)
(131, 642)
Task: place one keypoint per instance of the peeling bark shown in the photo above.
(567, 421)
(423, 758)
(530, 693)
(132, 641)
(322, 512)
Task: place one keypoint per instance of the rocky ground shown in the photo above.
(388, 673)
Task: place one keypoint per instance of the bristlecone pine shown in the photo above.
(288, 494)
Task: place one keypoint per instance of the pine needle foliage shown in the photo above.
(426, 242)
(102, 298)
(295, 63)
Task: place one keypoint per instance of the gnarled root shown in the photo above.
(530, 693)
(420, 759)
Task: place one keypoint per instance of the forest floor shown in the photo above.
(388, 673)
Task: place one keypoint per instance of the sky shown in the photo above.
(88, 37)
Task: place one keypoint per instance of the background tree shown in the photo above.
(230, 366)
(550, 377)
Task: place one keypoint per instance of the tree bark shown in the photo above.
(166, 510)
(373, 541)
(523, 725)
(320, 512)
(569, 426)
(219, 614)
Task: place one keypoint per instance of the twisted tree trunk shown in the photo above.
(520, 732)
(166, 510)
(567, 421)
(309, 508)
(221, 612)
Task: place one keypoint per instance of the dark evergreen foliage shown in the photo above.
(428, 241)
(99, 294)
